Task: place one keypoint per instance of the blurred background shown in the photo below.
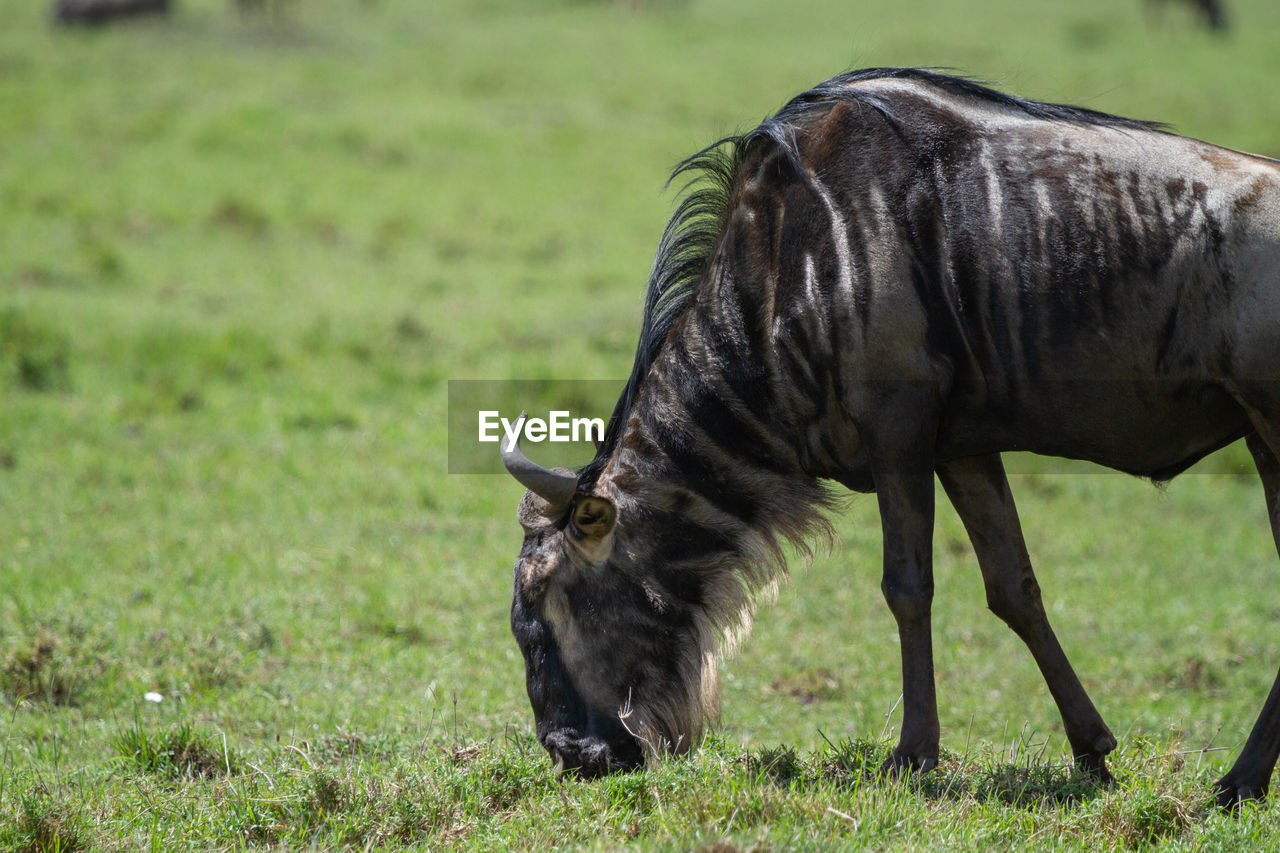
(244, 246)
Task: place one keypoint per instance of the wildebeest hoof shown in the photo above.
(1230, 795)
(1095, 765)
(898, 765)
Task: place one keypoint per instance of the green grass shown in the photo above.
(240, 259)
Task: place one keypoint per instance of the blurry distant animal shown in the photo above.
(1212, 12)
(95, 12)
(898, 277)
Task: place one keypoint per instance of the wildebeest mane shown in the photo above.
(694, 231)
(684, 253)
(838, 88)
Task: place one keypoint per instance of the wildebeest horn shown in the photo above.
(555, 487)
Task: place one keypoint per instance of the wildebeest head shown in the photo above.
(619, 655)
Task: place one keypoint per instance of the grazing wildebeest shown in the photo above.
(102, 11)
(1212, 12)
(901, 274)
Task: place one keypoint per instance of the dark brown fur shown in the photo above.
(97, 12)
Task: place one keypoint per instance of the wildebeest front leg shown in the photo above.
(979, 490)
(1250, 776)
(904, 488)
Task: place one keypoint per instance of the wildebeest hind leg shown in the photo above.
(1250, 776)
(979, 490)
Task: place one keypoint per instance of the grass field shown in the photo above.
(240, 259)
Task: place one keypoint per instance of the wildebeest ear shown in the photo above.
(591, 523)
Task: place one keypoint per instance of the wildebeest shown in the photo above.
(1211, 12)
(900, 274)
(101, 11)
